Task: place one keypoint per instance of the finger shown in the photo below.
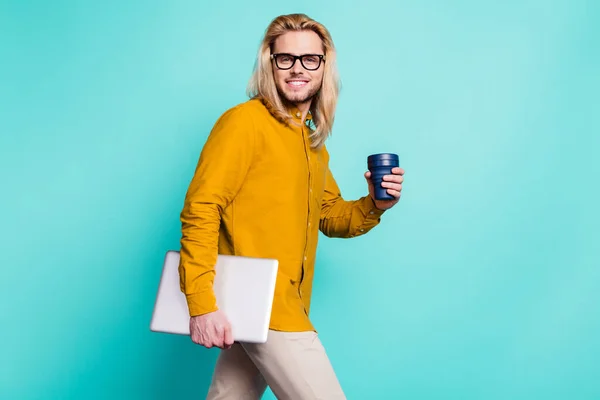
(397, 171)
(206, 334)
(394, 193)
(228, 340)
(217, 338)
(209, 342)
(393, 178)
(205, 341)
(202, 340)
(368, 179)
(391, 185)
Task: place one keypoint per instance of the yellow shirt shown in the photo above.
(260, 190)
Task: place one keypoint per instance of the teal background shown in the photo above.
(483, 283)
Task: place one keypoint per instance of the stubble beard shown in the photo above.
(296, 98)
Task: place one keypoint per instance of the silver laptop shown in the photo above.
(244, 288)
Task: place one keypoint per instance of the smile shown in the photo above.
(297, 83)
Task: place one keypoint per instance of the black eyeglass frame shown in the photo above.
(321, 58)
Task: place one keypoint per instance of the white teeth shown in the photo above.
(297, 83)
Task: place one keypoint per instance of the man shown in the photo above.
(263, 188)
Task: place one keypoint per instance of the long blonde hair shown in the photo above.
(262, 82)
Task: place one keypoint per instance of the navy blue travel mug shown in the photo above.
(380, 165)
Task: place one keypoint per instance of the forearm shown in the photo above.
(199, 250)
(344, 219)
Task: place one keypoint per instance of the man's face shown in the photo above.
(298, 84)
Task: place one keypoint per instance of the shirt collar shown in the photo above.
(297, 114)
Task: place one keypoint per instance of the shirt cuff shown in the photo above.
(368, 207)
(201, 303)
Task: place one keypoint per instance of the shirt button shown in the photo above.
(371, 212)
(298, 114)
(362, 230)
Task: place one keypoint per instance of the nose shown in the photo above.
(297, 67)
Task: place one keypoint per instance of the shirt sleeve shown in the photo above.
(345, 219)
(223, 164)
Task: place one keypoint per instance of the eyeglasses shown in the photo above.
(310, 62)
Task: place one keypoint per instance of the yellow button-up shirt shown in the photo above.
(260, 190)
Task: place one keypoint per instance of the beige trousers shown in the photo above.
(293, 364)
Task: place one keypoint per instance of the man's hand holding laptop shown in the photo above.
(212, 329)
